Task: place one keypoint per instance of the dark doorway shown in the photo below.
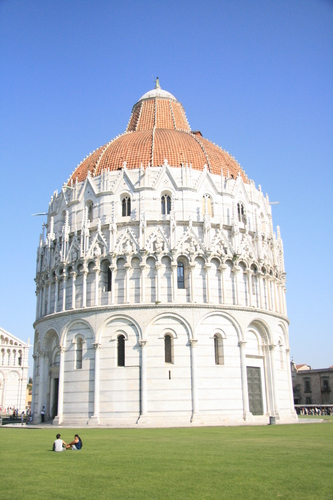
(55, 397)
(254, 389)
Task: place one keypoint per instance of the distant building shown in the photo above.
(312, 387)
(13, 371)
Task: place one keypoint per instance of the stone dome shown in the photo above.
(158, 130)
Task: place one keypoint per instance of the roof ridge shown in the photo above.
(139, 117)
(173, 116)
(203, 149)
(152, 146)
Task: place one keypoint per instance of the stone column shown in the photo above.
(43, 299)
(94, 420)
(268, 289)
(143, 283)
(73, 290)
(260, 285)
(235, 270)
(143, 344)
(59, 418)
(97, 271)
(127, 283)
(194, 378)
(158, 282)
(222, 268)
(56, 291)
(245, 393)
(192, 290)
(49, 297)
(249, 286)
(174, 281)
(84, 288)
(273, 377)
(37, 301)
(207, 268)
(64, 281)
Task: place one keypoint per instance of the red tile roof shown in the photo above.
(157, 130)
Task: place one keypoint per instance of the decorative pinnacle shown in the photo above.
(157, 83)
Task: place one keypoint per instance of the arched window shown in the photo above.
(168, 354)
(121, 350)
(180, 275)
(2, 356)
(165, 204)
(78, 354)
(19, 358)
(8, 354)
(126, 206)
(207, 205)
(218, 349)
(241, 212)
(14, 357)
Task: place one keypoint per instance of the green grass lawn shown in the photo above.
(279, 461)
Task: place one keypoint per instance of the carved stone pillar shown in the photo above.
(84, 288)
(158, 282)
(235, 270)
(73, 290)
(222, 269)
(43, 299)
(56, 292)
(143, 344)
(143, 283)
(194, 377)
(97, 273)
(192, 289)
(207, 267)
(127, 283)
(260, 285)
(174, 281)
(249, 286)
(94, 420)
(64, 281)
(49, 297)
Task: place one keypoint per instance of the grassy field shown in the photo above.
(279, 461)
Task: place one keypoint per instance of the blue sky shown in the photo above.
(255, 77)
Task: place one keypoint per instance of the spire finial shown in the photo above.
(157, 83)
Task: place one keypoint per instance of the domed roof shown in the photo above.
(158, 130)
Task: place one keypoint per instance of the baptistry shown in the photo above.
(161, 286)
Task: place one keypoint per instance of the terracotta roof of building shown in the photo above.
(158, 130)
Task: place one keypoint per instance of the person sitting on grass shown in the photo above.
(59, 444)
(76, 444)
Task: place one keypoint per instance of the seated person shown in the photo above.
(76, 444)
(59, 444)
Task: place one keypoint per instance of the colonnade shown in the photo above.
(263, 291)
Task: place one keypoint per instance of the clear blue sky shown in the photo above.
(255, 77)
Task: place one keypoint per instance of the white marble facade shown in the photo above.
(167, 309)
(14, 354)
